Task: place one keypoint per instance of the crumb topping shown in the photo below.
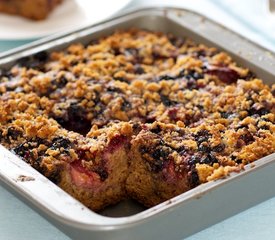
(183, 103)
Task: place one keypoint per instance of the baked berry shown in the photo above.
(61, 142)
(193, 178)
(202, 136)
(225, 74)
(218, 148)
(41, 56)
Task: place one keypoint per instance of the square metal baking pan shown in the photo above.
(176, 218)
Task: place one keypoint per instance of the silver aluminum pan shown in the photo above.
(176, 218)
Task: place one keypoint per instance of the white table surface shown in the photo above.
(19, 222)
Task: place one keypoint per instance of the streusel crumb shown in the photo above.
(137, 114)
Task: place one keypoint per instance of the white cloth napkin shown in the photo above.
(254, 16)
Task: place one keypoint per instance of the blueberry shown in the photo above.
(136, 127)
(25, 151)
(30, 62)
(209, 159)
(156, 129)
(61, 142)
(126, 105)
(74, 62)
(218, 148)
(62, 81)
(202, 136)
(247, 138)
(75, 119)
(160, 156)
(102, 172)
(138, 69)
(191, 84)
(191, 77)
(14, 133)
(81, 153)
(116, 51)
(166, 101)
(176, 41)
(194, 75)
(244, 139)
(204, 148)
(264, 127)
(24, 62)
(241, 127)
(181, 150)
(5, 73)
(160, 153)
(21, 149)
(150, 119)
(41, 56)
(59, 83)
(190, 74)
(225, 114)
(193, 160)
(193, 178)
(200, 107)
(200, 53)
(236, 159)
(250, 75)
(131, 51)
(182, 73)
(258, 111)
(156, 166)
(166, 77)
(143, 149)
(114, 89)
(39, 141)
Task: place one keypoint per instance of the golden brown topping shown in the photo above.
(194, 105)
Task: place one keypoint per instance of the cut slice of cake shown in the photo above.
(97, 176)
(153, 174)
(169, 159)
(33, 9)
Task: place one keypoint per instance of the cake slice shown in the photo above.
(93, 169)
(33, 9)
(169, 159)
(154, 175)
(97, 176)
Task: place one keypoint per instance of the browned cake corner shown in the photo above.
(33, 9)
(97, 177)
(135, 114)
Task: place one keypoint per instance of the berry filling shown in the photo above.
(82, 177)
